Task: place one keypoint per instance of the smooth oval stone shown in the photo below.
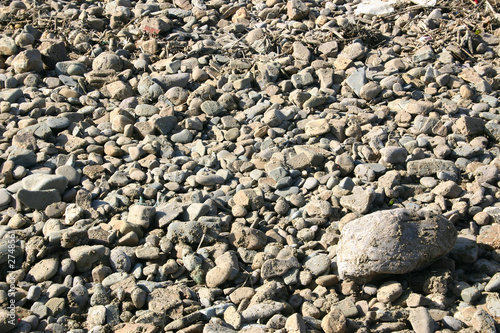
(209, 180)
(183, 136)
(44, 270)
(70, 173)
(70, 68)
(58, 123)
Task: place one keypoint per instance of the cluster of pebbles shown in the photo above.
(253, 166)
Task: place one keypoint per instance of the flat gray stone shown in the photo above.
(430, 166)
(40, 182)
(11, 95)
(38, 199)
(23, 157)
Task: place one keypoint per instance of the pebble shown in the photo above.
(389, 292)
(262, 310)
(40, 182)
(70, 173)
(44, 270)
(421, 321)
(5, 197)
(318, 264)
(334, 322)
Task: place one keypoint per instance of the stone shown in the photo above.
(11, 95)
(165, 125)
(53, 52)
(96, 316)
(196, 210)
(430, 166)
(209, 179)
(354, 51)
(370, 90)
(295, 324)
(423, 54)
(334, 322)
(421, 321)
(177, 95)
(156, 25)
(452, 323)
(70, 173)
(7, 46)
(209, 166)
(493, 130)
(493, 284)
(262, 310)
(318, 264)
(448, 189)
(470, 126)
(58, 123)
(486, 174)
(147, 252)
(211, 108)
(38, 199)
(44, 270)
(389, 292)
(249, 238)
(490, 237)
(359, 201)
(249, 199)
(5, 197)
(465, 250)
(300, 52)
(184, 136)
(28, 61)
(317, 127)
(357, 80)
(218, 275)
(69, 67)
(118, 90)
(277, 267)
(191, 232)
(329, 48)
(107, 60)
(393, 155)
(141, 215)
(84, 256)
(40, 182)
(470, 295)
(149, 88)
(145, 110)
(296, 10)
(396, 241)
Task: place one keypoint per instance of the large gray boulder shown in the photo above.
(395, 241)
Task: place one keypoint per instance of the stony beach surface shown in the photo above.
(249, 166)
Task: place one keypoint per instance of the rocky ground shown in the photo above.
(253, 166)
